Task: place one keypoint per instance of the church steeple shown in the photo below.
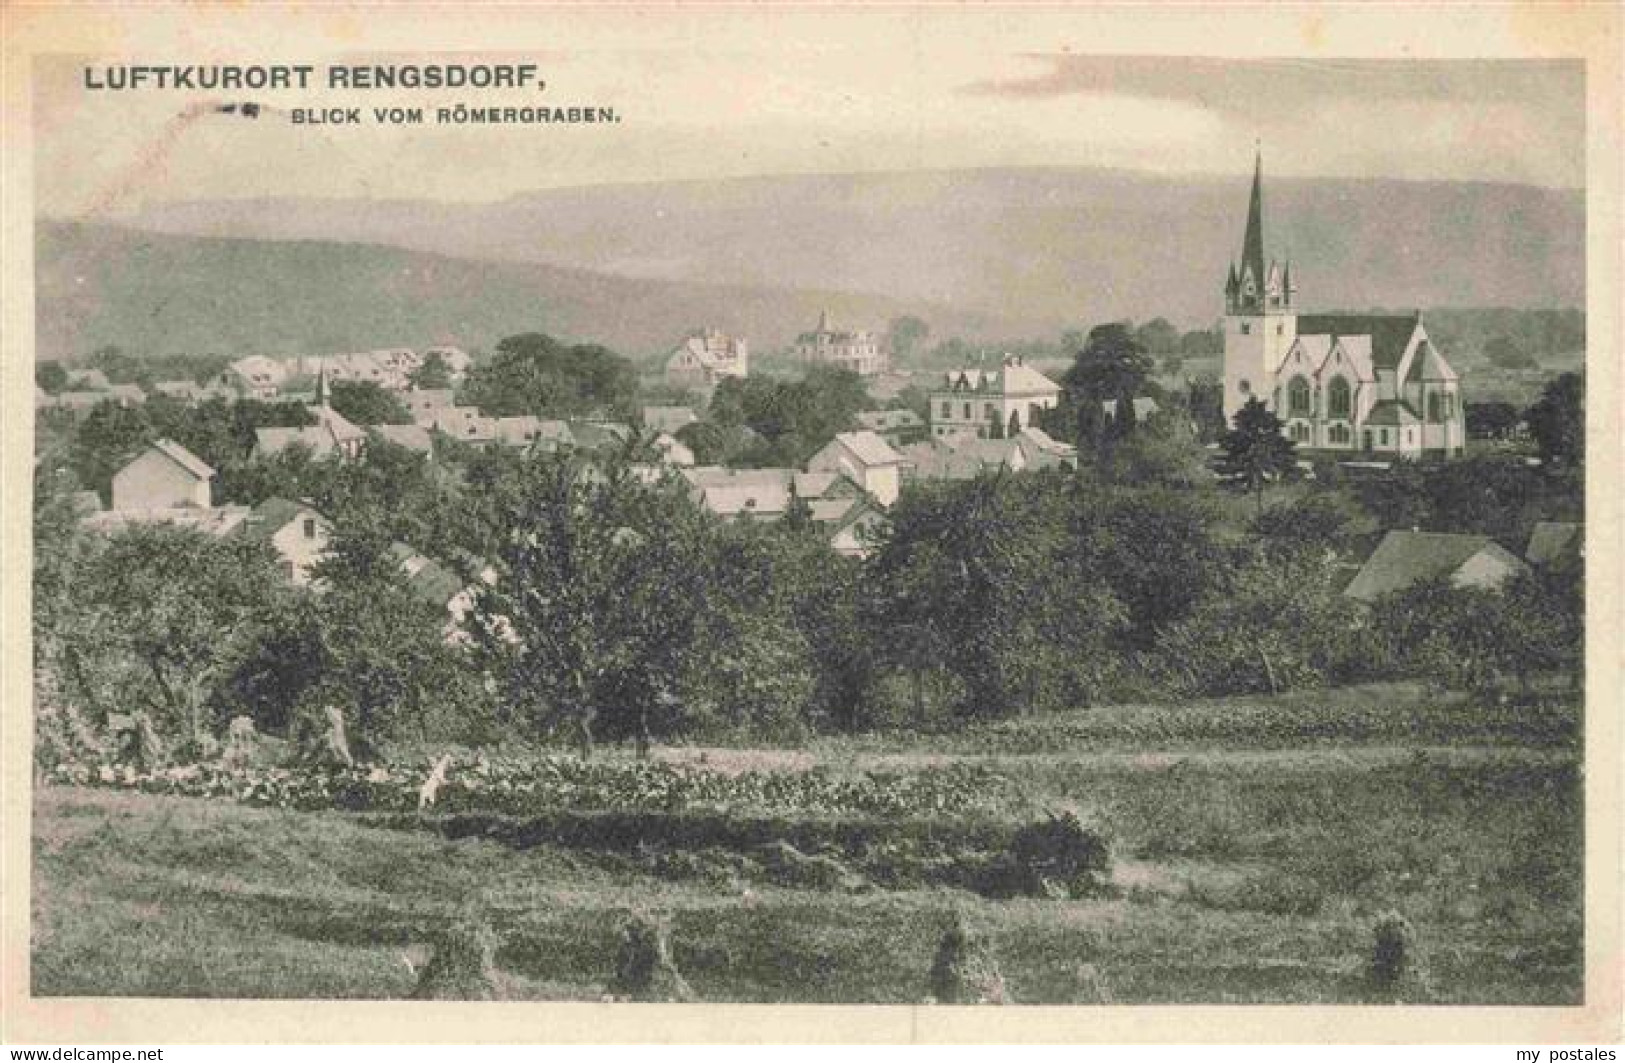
(1252, 244)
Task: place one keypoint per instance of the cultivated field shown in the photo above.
(1254, 844)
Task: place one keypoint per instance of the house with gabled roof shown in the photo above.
(164, 476)
(1552, 541)
(296, 531)
(988, 403)
(1372, 383)
(864, 458)
(704, 357)
(672, 419)
(1406, 558)
(897, 427)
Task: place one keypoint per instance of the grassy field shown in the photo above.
(1255, 842)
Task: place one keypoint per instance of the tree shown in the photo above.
(1111, 366)
(434, 373)
(537, 374)
(1318, 522)
(365, 402)
(1492, 420)
(1504, 352)
(162, 616)
(1158, 336)
(1557, 421)
(601, 585)
(105, 441)
(1255, 452)
(905, 334)
(51, 377)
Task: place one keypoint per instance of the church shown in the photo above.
(1363, 383)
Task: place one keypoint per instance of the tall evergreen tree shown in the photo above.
(1254, 450)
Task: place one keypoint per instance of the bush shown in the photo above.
(1057, 856)
(644, 970)
(964, 971)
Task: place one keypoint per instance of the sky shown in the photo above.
(746, 105)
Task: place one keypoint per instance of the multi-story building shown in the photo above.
(705, 357)
(858, 350)
(989, 403)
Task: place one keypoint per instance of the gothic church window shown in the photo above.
(1298, 397)
(1338, 399)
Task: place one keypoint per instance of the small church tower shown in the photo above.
(1260, 322)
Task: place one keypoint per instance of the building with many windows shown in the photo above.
(856, 349)
(991, 403)
(1339, 382)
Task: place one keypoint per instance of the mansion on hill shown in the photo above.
(1338, 382)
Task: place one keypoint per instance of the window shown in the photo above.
(1338, 400)
(1435, 407)
(1297, 394)
(1246, 328)
(310, 527)
(1280, 329)
(1382, 437)
(947, 410)
(967, 411)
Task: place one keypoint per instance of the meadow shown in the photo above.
(1254, 843)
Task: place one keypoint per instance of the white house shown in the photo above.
(297, 532)
(164, 476)
(987, 403)
(859, 350)
(704, 357)
(866, 459)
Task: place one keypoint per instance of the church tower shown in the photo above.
(1260, 322)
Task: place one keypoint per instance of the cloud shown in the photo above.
(1253, 85)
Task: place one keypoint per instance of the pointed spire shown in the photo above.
(321, 386)
(1252, 244)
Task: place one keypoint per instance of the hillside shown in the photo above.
(153, 294)
(1039, 246)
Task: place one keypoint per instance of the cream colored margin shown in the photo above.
(195, 33)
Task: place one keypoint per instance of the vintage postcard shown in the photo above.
(842, 523)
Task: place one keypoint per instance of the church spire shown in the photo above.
(1252, 245)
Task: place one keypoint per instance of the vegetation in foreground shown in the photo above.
(1229, 882)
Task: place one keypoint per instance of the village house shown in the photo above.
(704, 357)
(456, 360)
(673, 451)
(466, 424)
(864, 458)
(851, 525)
(425, 403)
(297, 532)
(897, 427)
(856, 349)
(965, 457)
(164, 476)
(1552, 541)
(413, 437)
(672, 419)
(186, 391)
(1406, 558)
(87, 380)
(847, 516)
(991, 402)
(1371, 383)
(254, 377)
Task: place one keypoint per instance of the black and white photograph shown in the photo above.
(906, 506)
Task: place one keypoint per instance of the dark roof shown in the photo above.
(1552, 539)
(1405, 558)
(271, 516)
(1390, 333)
(1392, 412)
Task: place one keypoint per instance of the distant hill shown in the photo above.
(1037, 247)
(152, 294)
